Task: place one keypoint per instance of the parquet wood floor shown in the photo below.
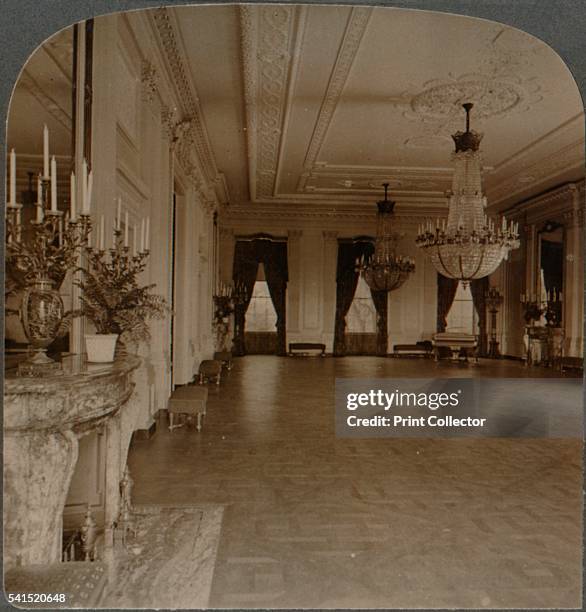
(315, 521)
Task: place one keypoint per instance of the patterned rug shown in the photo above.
(170, 562)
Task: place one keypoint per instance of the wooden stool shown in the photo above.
(225, 357)
(188, 400)
(210, 369)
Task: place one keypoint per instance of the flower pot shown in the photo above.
(100, 347)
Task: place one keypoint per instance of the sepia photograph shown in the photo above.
(294, 313)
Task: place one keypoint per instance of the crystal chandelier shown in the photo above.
(470, 245)
(385, 270)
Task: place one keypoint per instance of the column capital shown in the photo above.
(330, 236)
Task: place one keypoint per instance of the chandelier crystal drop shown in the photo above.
(385, 270)
(470, 245)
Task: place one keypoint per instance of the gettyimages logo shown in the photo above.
(380, 398)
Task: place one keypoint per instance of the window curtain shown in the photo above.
(380, 299)
(478, 289)
(446, 292)
(346, 282)
(274, 259)
(248, 254)
(245, 271)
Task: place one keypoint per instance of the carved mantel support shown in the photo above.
(43, 420)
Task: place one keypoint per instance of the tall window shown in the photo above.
(261, 315)
(361, 318)
(462, 315)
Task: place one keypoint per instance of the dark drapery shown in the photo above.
(248, 254)
(446, 292)
(244, 274)
(380, 299)
(349, 252)
(478, 289)
(275, 263)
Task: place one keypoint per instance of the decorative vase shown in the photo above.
(41, 314)
(100, 347)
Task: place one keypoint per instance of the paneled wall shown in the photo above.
(140, 156)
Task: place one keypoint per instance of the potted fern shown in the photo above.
(115, 302)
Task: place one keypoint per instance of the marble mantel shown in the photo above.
(43, 420)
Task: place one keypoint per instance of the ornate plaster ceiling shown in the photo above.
(321, 104)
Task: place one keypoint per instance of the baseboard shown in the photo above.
(140, 435)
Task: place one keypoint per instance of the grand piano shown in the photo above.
(454, 344)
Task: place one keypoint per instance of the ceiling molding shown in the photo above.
(269, 33)
(359, 180)
(174, 52)
(248, 53)
(419, 210)
(355, 28)
(557, 162)
(547, 205)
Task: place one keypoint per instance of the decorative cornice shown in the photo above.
(355, 28)
(174, 54)
(557, 161)
(285, 214)
(574, 218)
(557, 201)
(149, 79)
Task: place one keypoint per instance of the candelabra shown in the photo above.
(241, 297)
(37, 260)
(533, 308)
(553, 309)
(223, 308)
(493, 300)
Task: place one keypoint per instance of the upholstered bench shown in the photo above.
(210, 370)
(307, 346)
(225, 357)
(188, 400)
(419, 349)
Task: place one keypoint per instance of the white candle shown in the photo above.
(45, 151)
(147, 233)
(72, 196)
(12, 177)
(134, 240)
(90, 188)
(119, 213)
(126, 229)
(84, 205)
(142, 235)
(53, 184)
(102, 232)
